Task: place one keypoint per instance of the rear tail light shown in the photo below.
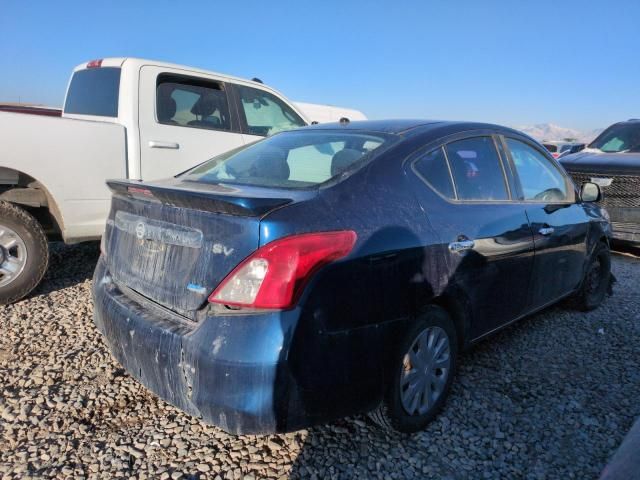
(275, 275)
(94, 63)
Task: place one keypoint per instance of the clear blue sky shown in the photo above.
(573, 63)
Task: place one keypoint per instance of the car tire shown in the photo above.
(408, 405)
(596, 282)
(24, 253)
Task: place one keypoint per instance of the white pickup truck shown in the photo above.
(122, 118)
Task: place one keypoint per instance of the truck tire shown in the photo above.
(24, 253)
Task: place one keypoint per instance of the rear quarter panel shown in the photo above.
(354, 311)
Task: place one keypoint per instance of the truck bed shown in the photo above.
(71, 159)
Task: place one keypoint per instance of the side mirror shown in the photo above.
(590, 192)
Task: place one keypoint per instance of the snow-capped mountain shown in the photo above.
(550, 132)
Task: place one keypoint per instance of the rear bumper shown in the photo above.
(230, 370)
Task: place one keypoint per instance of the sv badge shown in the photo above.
(219, 249)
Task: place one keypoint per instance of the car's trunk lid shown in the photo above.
(173, 243)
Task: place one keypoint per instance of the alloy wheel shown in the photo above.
(13, 255)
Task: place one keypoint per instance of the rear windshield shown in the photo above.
(619, 138)
(94, 91)
(551, 147)
(290, 159)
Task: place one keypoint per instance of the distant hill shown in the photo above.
(549, 132)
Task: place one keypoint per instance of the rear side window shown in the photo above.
(477, 170)
(192, 103)
(265, 113)
(433, 169)
(94, 91)
(290, 160)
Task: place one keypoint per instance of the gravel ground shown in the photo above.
(550, 397)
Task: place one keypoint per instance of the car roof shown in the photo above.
(412, 126)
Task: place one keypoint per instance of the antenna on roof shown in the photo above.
(344, 120)
(257, 80)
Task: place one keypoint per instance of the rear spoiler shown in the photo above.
(204, 200)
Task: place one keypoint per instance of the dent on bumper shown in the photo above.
(228, 370)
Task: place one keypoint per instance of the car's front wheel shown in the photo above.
(422, 372)
(24, 253)
(596, 282)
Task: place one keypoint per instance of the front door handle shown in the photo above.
(546, 231)
(461, 246)
(158, 144)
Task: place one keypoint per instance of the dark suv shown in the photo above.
(613, 162)
(339, 269)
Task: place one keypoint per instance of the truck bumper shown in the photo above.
(625, 223)
(231, 370)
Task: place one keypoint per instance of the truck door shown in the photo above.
(184, 119)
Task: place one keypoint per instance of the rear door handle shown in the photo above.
(158, 144)
(461, 246)
(546, 231)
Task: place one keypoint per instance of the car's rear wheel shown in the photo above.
(422, 372)
(24, 253)
(596, 280)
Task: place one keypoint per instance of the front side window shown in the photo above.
(540, 179)
(192, 103)
(477, 170)
(94, 91)
(265, 113)
(289, 160)
(619, 138)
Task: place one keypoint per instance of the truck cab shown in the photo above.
(175, 116)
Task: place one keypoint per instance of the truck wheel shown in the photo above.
(24, 253)
(423, 370)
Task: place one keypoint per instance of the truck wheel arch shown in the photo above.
(26, 191)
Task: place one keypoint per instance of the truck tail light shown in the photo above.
(274, 276)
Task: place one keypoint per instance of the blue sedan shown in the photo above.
(340, 268)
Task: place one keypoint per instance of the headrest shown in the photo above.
(166, 105)
(343, 159)
(271, 163)
(166, 108)
(206, 105)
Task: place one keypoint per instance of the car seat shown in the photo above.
(343, 160)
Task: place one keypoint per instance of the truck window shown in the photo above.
(94, 91)
(192, 103)
(265, 113)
